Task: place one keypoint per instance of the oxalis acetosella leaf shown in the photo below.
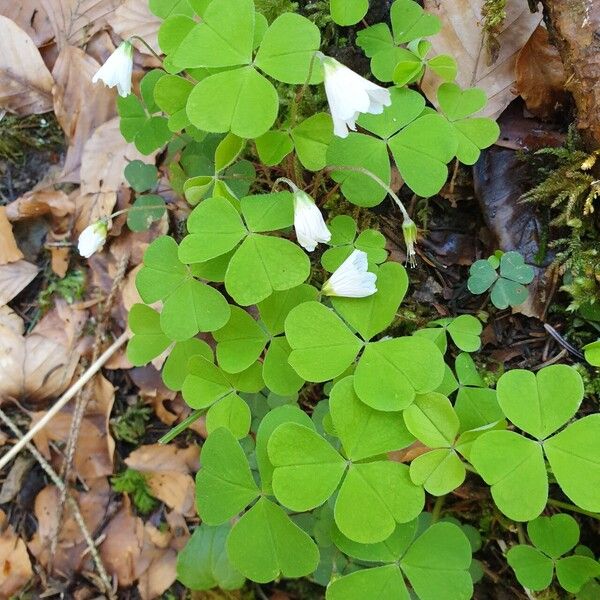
(339, 421)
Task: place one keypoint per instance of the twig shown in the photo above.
(62, 401)
(72, 502)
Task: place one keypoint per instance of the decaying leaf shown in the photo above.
(25, 82)
(75, 21)
(79, 105)
(168, 471)
(40, 365)
(9, 252)
(15, 277)
(15, 566)
(462, 36)
(37, 203)
(31, 18)
(133, 17)
(95, 447)
(71, 555)
(540, 76)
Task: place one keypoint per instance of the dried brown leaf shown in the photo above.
(75, 21)
(9, 251)
(71, 555)
(79, 105)
(95, 447)
(462, 36)
(38, 203)
(540, 76)
(9, 318)
(25, 82)
(15, 565)
(31, 18)
(14, 277)
(40, 365)
(133, 17)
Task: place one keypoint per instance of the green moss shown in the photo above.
(494, 15)
(134, 483)
(17, 134)
(131, 425)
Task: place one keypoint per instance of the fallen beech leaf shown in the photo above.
(38, 203)
(40, 365)
(121, 549)
(541, 76)
(89, 208)
(75, 21)
(133, 17)
(9, 251)
(15, 565)
(9, 318)
(31, 18)
(25, 82)
(168, 471)
(72, 555)
(80, 106)
(462, 37)
(14, 277)
(14, 480)
(95, 447)
(105, 156)
(60, 259)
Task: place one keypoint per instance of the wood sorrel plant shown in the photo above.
(281, 493)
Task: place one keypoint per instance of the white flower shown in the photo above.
(349, 94)
(308, 222)
(351, 279)
(92, 238)
(117, 69)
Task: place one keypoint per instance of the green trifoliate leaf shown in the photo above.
(268, 212)
(175, 369)
(539, 403)
(263, 265)
(224, 484)
(145, 210)
(311, 139)
(141, 177)
(438, 471)
(592, 353)
(307, 468)
(390, 373)
(534, 570)
(482, 276)
(465, 332)
(287, 50)
(477, 407)
(240, 342)
(379, 583)
(348, 12)
(215, 227)
(374, 497)
(573, 572)
(148, 339)
(432, 420)
(365, 432)
(514, 466)
(271, 421)
(225, 38)
(265, 544)
(375, 313)
(554, 535)
(203, 562)
(574, 455)
(231, 413)
(241, 101)
(322, 345)
(273, 147)
(278, 375)
(421, 151)
(171, 94)
(513, 267)
(467, 372)
(275, 309)
(410, 22)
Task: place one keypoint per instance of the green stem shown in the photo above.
(137, 37)
(133, 209)
(169, 436)
(377, 180)
(521, 533)
(298, 97)
(437, 508)
(573, 508)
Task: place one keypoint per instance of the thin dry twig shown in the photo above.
(72, 502)
(62, 401)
